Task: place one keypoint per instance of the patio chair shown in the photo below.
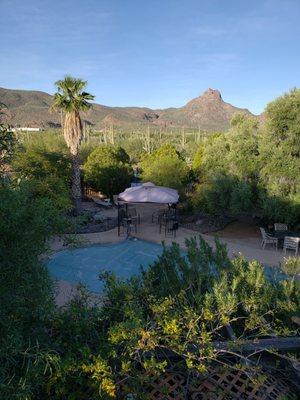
(291, 243)
(171, 228)
(268, 239)
(165, 218)
(280, 227)
(156, 215)
(128, 226)
(134, 214)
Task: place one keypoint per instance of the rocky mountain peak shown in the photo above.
(210, 97)
(212, 94)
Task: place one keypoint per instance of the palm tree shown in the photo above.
(71, 98)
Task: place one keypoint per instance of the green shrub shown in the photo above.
(198, 159)
(165, 167)
(182, 302)
(84, 151)
(39, 163)
(107, 170)
(275, 209)
(223, 194)
(242, 197)
(47, 174)
(50, 140)
(7, 145)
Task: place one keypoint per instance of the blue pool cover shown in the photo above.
(85, 264)
(124, 259)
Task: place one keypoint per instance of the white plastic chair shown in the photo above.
(291, 243)
(268, 239)
(280, 227)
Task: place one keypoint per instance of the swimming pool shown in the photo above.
(85, 264)
(124, 259)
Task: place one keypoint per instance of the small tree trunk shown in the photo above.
(76, 183)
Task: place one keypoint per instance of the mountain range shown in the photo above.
(209, 112)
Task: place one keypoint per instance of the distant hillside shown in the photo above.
(207, 112)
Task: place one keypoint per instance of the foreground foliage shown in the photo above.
(171, 314)
(26, 298)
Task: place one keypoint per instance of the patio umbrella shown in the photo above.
(149, 193)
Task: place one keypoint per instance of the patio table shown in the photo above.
(280, 235)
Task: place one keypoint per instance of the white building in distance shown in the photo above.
(24, 129)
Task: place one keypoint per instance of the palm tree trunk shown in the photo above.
(76, 183)
(73, 135)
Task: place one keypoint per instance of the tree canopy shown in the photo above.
(256, 165)
(165, 167)
(107, 170)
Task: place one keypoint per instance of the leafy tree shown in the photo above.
(48, 174)
(280, 146)
(39, 163)
(165, 167)
(50, 140)
(224, 193)
(7, 145)
(107, 169)
(280, 156)
(215, 154)
(71, 99)
(243, 160)
(7, 141)
(134, 147)
(254, 167)
(198, 159)
(283, 117)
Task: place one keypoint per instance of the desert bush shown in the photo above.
(39, 163)
(84, 151)
(276, 209)
(263, 161)
(165, 167)
(198, 159)
(223, 193)
(51, 140)
(107, 169)
(47, 174)
(7, 145)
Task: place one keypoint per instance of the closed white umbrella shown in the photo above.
(149, 193)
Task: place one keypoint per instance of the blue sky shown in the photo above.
(154, 53)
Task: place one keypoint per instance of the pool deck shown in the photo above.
(248, 246)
